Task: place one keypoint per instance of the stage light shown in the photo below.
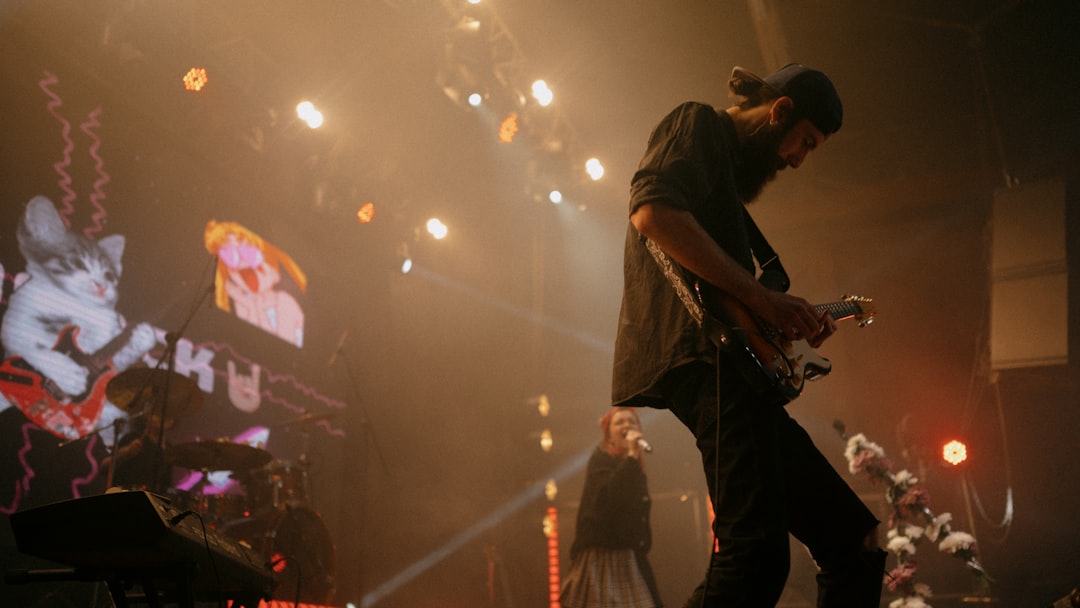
(543, 405)
(468, 24)
(555, 197)
(546, 440)
(954, 452)
(551, 531)
(542, 93)
(551, 489)
(594, 168)
(309, 114)
(195, 79)
(405, 262)
(508, 128)
(475, 99)
(437, 229)
(366, 213)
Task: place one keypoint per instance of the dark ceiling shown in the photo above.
(946, 103)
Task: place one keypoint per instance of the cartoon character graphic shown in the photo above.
(248, 272)
(61, 333)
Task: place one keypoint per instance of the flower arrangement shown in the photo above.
(910, 522)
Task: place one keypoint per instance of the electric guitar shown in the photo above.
(764, 357)
(42, 401)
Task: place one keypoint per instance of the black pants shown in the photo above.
(767, 479)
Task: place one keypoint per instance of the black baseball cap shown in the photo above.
(814, 95)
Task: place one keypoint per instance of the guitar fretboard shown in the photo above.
(841, 310)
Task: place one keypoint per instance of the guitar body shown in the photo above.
(45, 404)
(767, 360)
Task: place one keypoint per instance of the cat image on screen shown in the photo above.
(62, 336)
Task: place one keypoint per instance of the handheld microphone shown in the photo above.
(644, 445)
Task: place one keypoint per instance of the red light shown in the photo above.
(551, 525)
(954, 452)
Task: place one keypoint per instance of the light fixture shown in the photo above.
(954, 452)
(594, 168)
(546, 440)
(195, 79)
(309, 114)
(405, 262)
(542, 93)
(366, 213)
(436, 228)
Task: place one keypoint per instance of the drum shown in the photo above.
(280, 483)
(300, 551)
(223, 509)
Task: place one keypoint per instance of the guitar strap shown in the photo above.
(773, 274)
(678, 281)
(720, 333)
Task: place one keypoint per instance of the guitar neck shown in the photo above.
(841, 310)
(100, 359)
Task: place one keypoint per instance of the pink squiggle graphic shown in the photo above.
(65, 133)
(303, 388)
(270, 397)
(97, 195)
(78, 482)
(22, 485)
(274, 378)
(330, 430)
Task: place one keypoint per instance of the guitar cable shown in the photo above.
(714, 545)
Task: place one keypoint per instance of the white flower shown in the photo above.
(957, 541)
(914, 532)
(913, 601)
(901, 545)
(923, 590)
(905, 478)
(857, 443)
(937, 525)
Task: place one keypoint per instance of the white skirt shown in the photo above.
(605, 578)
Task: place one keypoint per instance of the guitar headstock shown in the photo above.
(862, 309)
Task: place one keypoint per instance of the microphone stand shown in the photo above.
(169, 357)
(368, 433)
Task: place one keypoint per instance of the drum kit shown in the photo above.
(272, 511)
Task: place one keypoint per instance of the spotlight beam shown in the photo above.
(486, 523)
(568, 468)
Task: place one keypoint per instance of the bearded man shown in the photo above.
(689, 228)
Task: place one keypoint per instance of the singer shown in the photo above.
(608, 560)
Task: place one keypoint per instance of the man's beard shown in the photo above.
(760, 161)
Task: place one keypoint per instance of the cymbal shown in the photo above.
(132, 389)
(218, 455)
(305, 419)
